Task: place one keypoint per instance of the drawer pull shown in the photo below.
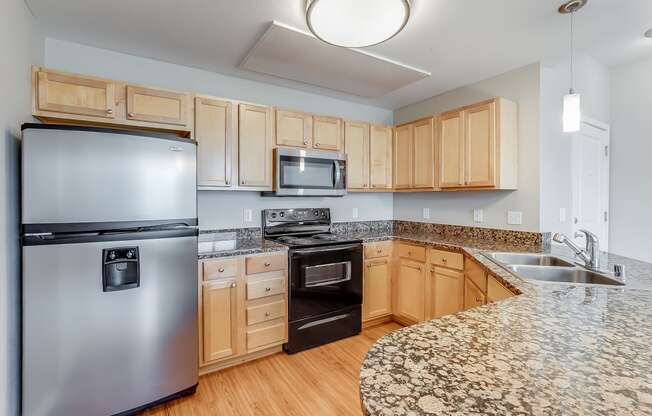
(132, 115)
(233, 284)
(221, 270)
(109, 111)
(268, 289)
(267, 314)
(267, 264)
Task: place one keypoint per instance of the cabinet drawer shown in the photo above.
(409, 251)
(273, 333)
(217, 269)
(261, 264)
(265, 312)
(447, 259)
(379, 249)
(476, 273)
(496, 291)
(265, 287)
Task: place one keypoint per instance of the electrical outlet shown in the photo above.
(562, 214)
(478, 215)
(248, 215)
(354, 213)
(426, 213)
(514, 217)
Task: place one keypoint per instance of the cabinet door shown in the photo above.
(293, 129)
(356, 142)
(447, 292)
(473, 296)
(380, 157)
(403, 145)
(327, 133)
(214, 120)
(255, 146)
(219, 316)
(424, 154)
(74, 94)
(411, 286)
(377, 298)
(451, 151)
(480, 135)
(157, 106)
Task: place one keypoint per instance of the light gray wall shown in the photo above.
(520, 85)
(631, 146)
(21, 46)
(224, 209)
(592, 82)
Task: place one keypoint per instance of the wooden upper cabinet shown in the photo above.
(74, 94)
(377, 297)
(451, 150)
(480, 145)
(327, 133)
(255, 146)
(220, 320)
(424, 154)
(293, 129)
(403, 154)
(215, 135)
(380, 157)
(157, 106)
(356, 142)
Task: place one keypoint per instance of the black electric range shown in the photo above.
(324, 273)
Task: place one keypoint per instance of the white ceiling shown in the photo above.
(458, 41)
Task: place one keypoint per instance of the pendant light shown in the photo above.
(572, 114)
(356, 23)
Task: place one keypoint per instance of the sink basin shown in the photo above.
(528, 259)
(563, 274)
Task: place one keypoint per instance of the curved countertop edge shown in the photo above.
(527, 292)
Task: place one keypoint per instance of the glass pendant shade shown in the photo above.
(356, 23)
(571, 113)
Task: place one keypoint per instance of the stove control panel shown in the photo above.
(297, 215)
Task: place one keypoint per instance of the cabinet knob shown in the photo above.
(444, 260)
(267, 314)
(243, 183)
(131, 115)
(364, 185)
(379, 251)
(267, 264)
(409, 253)
(233, 284)
(368, 266)
(221, 270)
(478, 299)
(268, 289)
(109, 111)
(305, 142)
(316, 144)
(227, 182)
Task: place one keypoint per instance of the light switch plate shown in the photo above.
(514, 217)
(354, 213)
(478, 215)
(562, 214)
(426, 213)
(248, 215)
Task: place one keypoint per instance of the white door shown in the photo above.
(591, 181)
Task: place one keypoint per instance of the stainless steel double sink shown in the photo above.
(548, 268)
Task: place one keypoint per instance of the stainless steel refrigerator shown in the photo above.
(109, 289)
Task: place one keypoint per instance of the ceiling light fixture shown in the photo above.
(356, 24)
(572, 113)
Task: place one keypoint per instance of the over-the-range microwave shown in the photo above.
(300, 172)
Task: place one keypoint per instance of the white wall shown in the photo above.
(224, 209)
(592, 82)
(21, 46)
(520, 85)
(631, 148)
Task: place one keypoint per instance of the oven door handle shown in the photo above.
(322, 250)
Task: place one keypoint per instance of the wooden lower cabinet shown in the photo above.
(411, 288)
(220, 319)
(473, 296)
(496, 291)
(377, 292)
(446, 292)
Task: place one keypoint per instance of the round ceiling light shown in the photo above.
(356, 24)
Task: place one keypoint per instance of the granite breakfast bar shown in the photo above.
(555, 349)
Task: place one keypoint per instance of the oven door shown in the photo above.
(325, 279)
(309, 172)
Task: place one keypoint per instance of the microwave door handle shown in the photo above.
(336, 174)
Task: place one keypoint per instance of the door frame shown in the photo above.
(595, 127)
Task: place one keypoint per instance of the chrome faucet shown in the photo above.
(591, 255)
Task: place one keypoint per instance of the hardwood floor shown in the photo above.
(320, 381)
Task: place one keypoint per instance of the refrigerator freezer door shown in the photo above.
(86, 175)
(87, 351)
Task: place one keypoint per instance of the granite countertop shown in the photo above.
(225, 244)
(555, 349)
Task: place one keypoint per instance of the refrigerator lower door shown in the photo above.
(92, 351)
